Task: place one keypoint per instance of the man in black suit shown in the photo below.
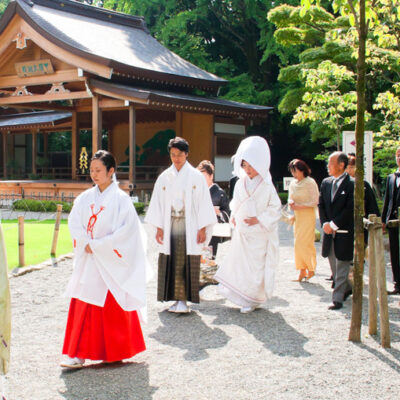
(389, 211)
(336, 208)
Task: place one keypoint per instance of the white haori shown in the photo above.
(186, 188)
(248, 271)
(108, 222)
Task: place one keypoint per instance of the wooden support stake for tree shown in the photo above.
(372, 288)
(56, 230)
(21, 248)
(381, 275)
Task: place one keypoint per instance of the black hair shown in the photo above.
(299, 165)
(106, 158)
(342, 158)
(179, 143)
(206, 166)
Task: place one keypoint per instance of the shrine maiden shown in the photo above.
(246, 275)
(108, 283)
(182, 211)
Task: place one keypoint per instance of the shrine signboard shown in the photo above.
(33, 68)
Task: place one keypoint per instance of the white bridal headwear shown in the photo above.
(255, 151)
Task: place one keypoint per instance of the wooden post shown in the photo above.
(34, 152)
(56, 230)
(381, 273)
(21, 250)
(132, 145)
(74, 144)
(46, 144)
(372, 288)
(96, 125)
(4, 149)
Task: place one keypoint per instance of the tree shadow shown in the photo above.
(267, 327)
(395, 365)
(189, 332)
(114, 381)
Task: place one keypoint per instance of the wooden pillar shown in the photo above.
(96, 125)
(34, 151)
(74, 144)
(132, 145)
(4, 150)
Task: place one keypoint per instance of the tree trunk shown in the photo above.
(356, 315)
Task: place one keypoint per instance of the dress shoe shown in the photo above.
(347, 294)
(302, 275)
(329, 279)
(335, 306)
(310, 275)
(394, 291)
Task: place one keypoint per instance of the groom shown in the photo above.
(336, 205)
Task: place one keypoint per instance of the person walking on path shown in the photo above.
(391, 203)
(219, 199)
(182, 212)
(303, 200)
(108, 283)
(246, 275)
(336, 208)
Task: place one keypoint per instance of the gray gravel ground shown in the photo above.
(292, 348)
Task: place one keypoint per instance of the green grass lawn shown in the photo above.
(38, 240)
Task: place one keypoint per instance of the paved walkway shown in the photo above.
(292, 348)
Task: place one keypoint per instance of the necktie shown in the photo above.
(334, 188)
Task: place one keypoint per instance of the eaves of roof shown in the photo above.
(119, 41)
(177, 101)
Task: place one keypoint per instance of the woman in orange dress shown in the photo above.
(303, 200)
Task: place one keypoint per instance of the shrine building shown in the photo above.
(71, 69)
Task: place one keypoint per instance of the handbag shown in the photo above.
(287, 215)
(222, 228)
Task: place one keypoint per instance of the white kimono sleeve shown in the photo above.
(270, 217)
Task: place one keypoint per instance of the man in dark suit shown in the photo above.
(336, 208)
(389, 211)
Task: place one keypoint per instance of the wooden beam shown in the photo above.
(178, 123)
(9, 101)
(70, 75)
(113, 95)
(96, 125)
(132, 145)
(4, 149)
(43, 106)
(104, 104)
(34, 151)
(74, 144)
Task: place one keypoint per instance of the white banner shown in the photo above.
(349, 146)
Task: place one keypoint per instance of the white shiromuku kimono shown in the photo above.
(246, 275)
(185, 191)
(108, 222)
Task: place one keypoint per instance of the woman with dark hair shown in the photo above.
(181, 211)
(303, 200)
(219, 199)
(108, 283)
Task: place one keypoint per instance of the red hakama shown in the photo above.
(106, 333)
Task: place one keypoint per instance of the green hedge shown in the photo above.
(51, 206)
(40, 205)
(283, 196)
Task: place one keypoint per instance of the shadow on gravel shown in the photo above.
(395, 365)
(316, 289)
(116, 381)
(189, 332)
(269, 328)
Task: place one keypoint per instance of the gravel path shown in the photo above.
(293, 348)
